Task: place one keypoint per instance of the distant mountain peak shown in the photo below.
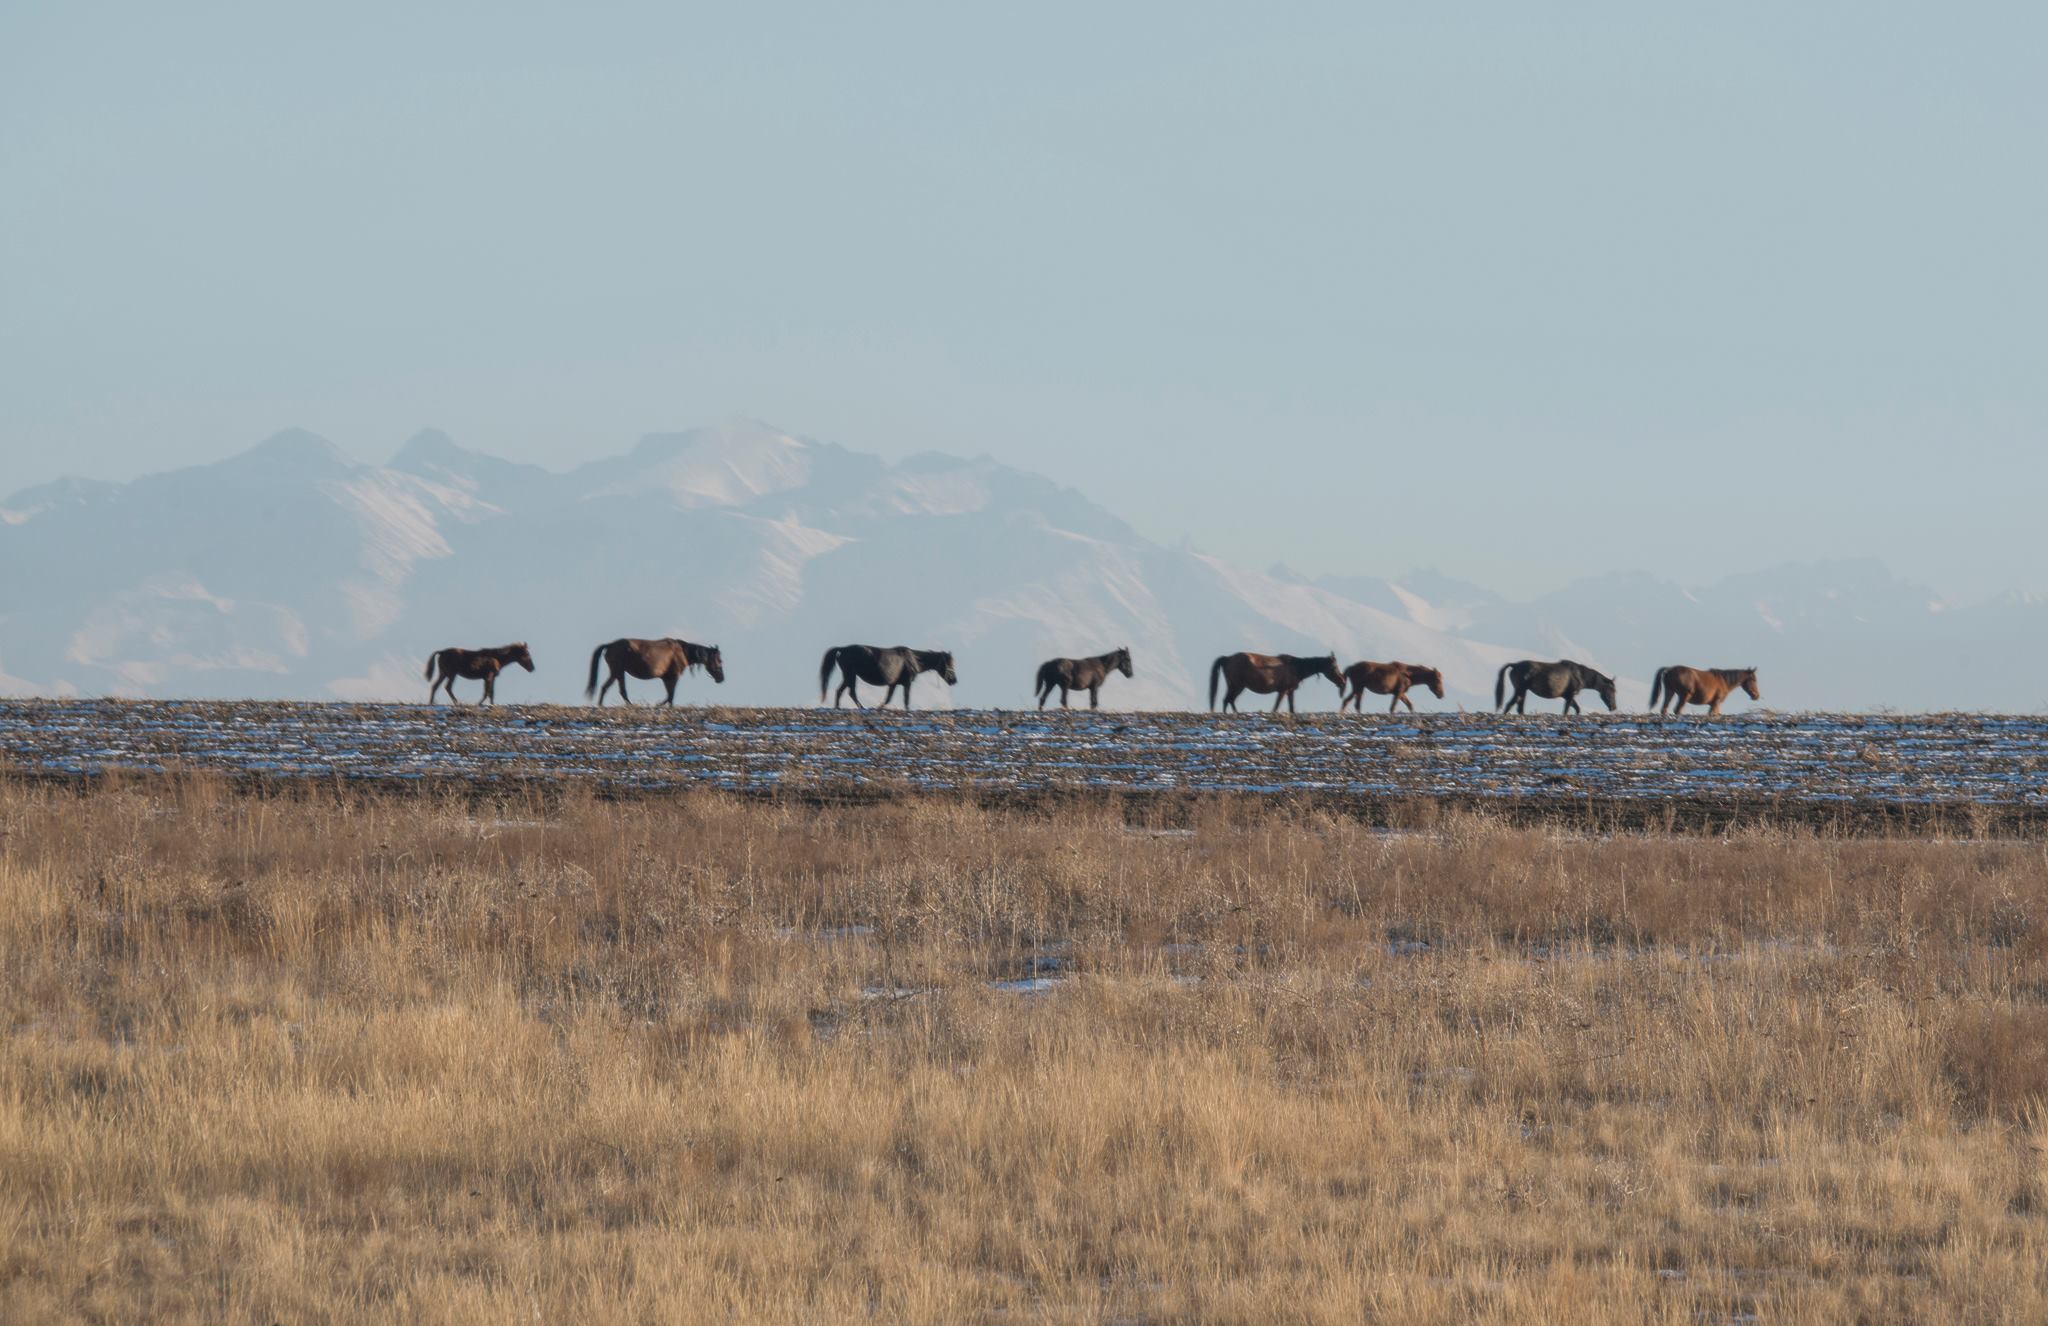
(429, 446)
(295, 447)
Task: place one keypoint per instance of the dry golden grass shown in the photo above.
(351, 1056)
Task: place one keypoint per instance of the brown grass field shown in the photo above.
(334, 1055)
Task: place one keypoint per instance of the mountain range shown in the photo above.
(294, 571)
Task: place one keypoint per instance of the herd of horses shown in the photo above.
(1277, 675)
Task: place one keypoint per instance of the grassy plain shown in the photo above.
(355, 1055)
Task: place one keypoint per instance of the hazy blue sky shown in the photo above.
(1521, 292)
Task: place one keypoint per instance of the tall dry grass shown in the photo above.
(345, 1056)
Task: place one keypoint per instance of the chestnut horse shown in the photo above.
(1081, 674)
(881, 667)
(1277, 675)
(482, 665)
(667, 658)
(1681, 686)
(1562, 680)
(1388, 679)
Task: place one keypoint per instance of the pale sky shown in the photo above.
(1521, 292)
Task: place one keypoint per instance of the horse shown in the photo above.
(881, 667)
(482, 665)
(1277, 675)
(1681, 686)
(1081, 674)
(1562, 680)
(667, 658)
(1388, 679)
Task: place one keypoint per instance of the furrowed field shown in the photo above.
(320, 1053)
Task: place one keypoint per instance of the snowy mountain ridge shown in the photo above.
(292, 570)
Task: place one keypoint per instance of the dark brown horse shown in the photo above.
(1388, 679)
(881, 667)
(1277, 675)
(667, 658)
(1081, 674)
(482, 665)
(1680, 686)
(1562, 680)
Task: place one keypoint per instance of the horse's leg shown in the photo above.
(623, 697)
(1095, 696)
(1571, 703)
(490, 690)
(1065, 693)
(669, 680)
(906, 691)
(1230, 694)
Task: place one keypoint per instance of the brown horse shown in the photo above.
(482, 665)
(1277, 675)
(1081, 674)
(1681, 686)
(1388, 679)
(667, 658)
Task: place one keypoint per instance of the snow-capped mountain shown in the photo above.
(292, 570)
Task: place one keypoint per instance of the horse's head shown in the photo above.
(714, 663)
(939, 661)
(1122, 661)
(522, 656)
(1749, 684)
(1605, 686)
(1326, 666)
(1429, 677)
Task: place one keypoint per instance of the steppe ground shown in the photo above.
(336, 1055)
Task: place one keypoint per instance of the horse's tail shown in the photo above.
(1048, 674)
(432, 659)
(1500, 686)
(1657, 686)
(590, 687)
(1215, 671)
(825, 671)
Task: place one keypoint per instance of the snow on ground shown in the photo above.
(1809, 758)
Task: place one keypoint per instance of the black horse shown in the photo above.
(881, 667)
(1562, 680)
(1081, 674)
